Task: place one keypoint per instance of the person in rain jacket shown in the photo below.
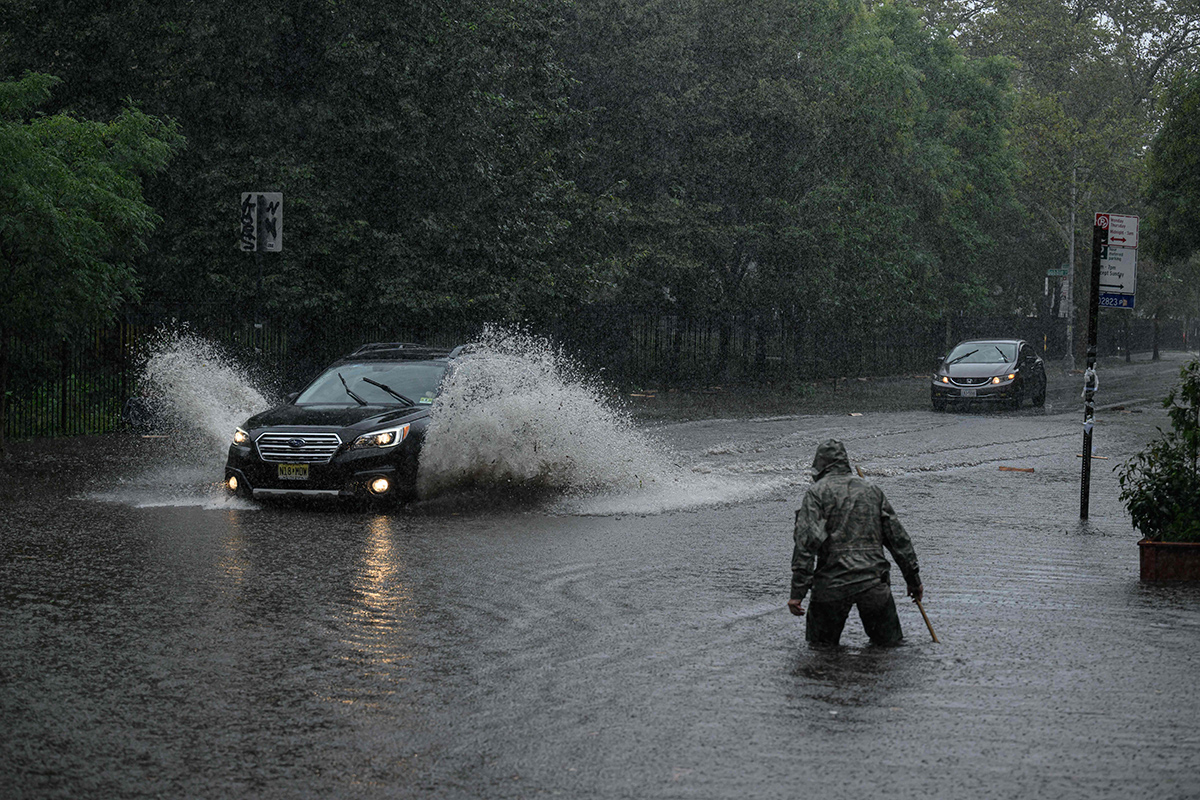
(845, 524)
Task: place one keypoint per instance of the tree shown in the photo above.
(72, 214)
(813, 159)
(1173, 191)
(1088, 77)
(418, 146)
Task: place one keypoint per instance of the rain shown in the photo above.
(654, 254)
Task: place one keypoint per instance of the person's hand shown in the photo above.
(795, 607)
(916, 592)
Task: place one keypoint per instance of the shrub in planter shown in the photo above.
(1160, 486)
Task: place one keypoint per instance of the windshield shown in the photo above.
(417, 380)
(983, 353)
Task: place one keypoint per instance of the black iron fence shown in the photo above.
(85, 384)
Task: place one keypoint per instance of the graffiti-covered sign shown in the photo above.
(261, 222)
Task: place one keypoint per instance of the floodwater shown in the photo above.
(527, 632)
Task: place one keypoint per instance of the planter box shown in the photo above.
(1169, 561)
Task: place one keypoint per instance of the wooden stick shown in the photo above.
(927, 623)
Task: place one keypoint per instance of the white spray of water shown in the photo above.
(515, 412)
(197, 395)
(199, 391)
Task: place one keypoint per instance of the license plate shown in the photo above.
(967, 392)
(293, 472)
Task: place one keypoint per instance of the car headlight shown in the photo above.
(1002, 378)
(945, 379)
(389, 437)
(241, 437)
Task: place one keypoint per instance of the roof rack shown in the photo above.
(366, 348)
(407, 351)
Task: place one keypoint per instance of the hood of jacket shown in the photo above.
(831, 457)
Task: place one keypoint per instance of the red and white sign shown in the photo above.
(1122, 229)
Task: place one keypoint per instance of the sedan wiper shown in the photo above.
(960, 358)
(1003, 354)
(390, 391)
(361, 402)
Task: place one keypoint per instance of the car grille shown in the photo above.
(298, 448)
(970, 381)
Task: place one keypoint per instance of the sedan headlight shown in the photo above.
(241, 437)
(1003, 378)
(389, 437)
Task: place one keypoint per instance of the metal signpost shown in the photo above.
(1114, 283)
(261, 231)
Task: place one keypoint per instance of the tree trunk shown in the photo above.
(1154, 357)
(760, 348)
(4, 356)
(724, 343)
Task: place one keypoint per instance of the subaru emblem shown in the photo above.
(295, 444)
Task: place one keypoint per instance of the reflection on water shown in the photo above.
(372, 625)
(234, 560)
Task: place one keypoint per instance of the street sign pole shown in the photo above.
(1099, 240)
(261, 230)
(1114, 270)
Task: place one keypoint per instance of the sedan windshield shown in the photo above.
(983, 353)
(363, 383)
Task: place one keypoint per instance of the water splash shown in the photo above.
(516, 413)
(198, 391)
(196, 396)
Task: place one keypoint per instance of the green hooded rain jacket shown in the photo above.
(845, 523)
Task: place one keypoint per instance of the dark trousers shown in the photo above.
(876, 609)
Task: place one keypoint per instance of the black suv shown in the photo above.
(354, 432)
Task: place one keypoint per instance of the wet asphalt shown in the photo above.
(497, 644)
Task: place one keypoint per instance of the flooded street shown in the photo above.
(160, 640)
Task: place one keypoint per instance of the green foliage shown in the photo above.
(789, 153)
(1173, 223)
(1161, 485)
(417, 146)
(71, 208)
(477, 161)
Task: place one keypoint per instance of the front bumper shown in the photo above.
(986, 393)
(347, 475)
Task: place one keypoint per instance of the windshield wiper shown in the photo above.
(390, 391)
(960, 358)
(361, 402)
(1003, 354)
